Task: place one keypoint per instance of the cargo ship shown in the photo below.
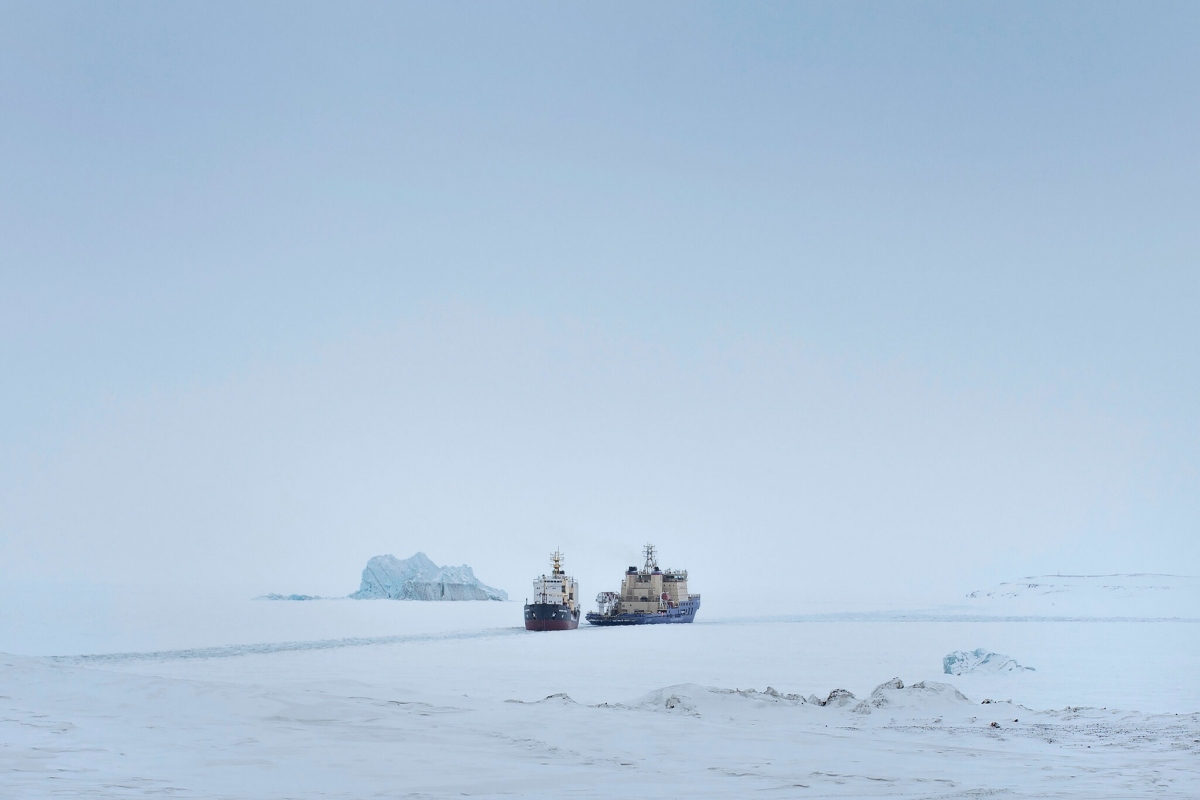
(555, 605)
(648, 596)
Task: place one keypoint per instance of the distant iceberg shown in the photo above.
(962, 662)
(418, 578)
(277, 596)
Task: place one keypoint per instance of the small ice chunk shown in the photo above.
(962, 662)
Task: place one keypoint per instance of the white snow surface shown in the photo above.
(418, 578)
(457, 699)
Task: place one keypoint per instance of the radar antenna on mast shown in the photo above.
(651, 558)
(556, 557)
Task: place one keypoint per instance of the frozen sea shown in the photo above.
(219, 697)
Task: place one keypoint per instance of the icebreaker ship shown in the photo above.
(648, 596)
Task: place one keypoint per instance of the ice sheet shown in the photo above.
(441, 707)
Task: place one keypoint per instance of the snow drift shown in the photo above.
(418, 578)
(921, 696)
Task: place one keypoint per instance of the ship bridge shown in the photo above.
(651, 589)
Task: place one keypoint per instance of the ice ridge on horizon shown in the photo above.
(1140, 594)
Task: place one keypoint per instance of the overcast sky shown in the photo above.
(889, 296)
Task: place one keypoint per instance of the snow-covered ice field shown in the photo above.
(454, 700)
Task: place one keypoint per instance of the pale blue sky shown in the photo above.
(994, 201)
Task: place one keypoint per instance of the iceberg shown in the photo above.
(418, 578)
(962, 662)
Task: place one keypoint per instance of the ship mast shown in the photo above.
(651, 558)
(556, 557)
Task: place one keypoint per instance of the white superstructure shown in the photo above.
(557, 588)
